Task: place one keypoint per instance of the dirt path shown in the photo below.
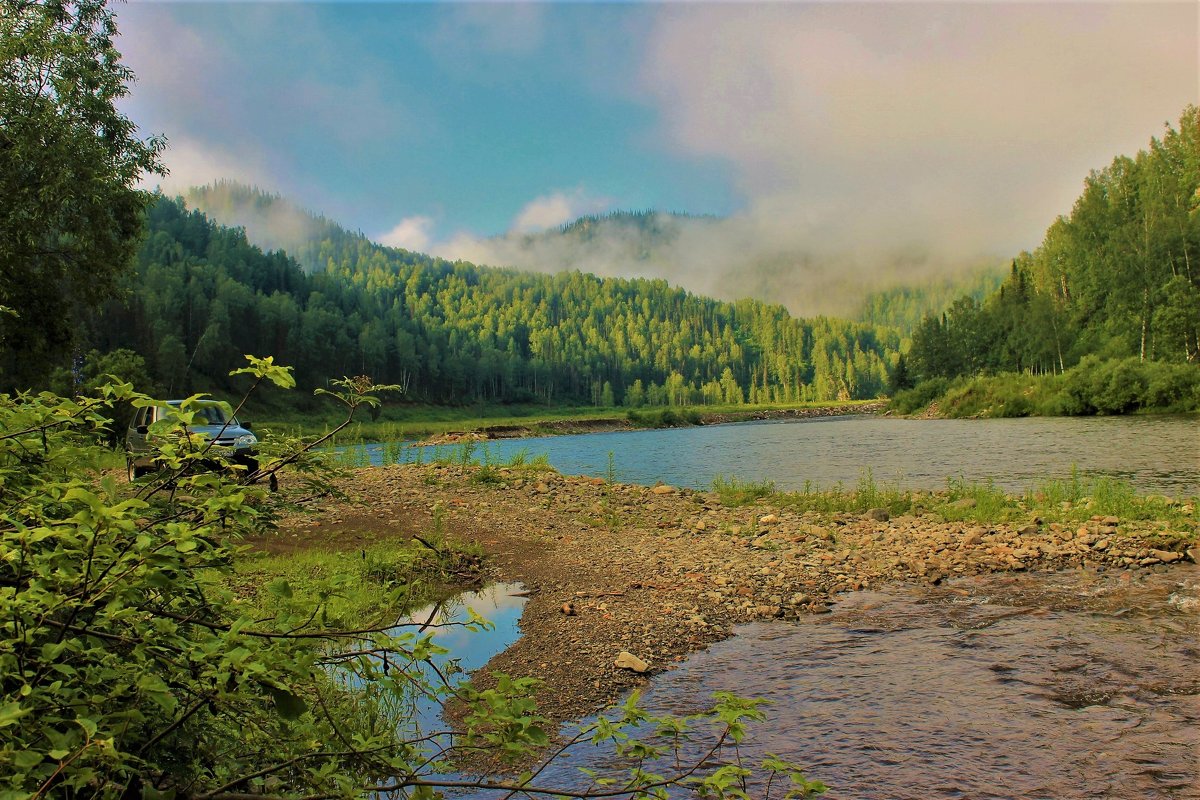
(661, 572)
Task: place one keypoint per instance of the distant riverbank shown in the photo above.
(652, 418)
(446, 424)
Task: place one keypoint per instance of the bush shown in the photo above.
(918, 398)
(128, 668)
(1093, 386)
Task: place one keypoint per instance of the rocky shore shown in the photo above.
(659, 572)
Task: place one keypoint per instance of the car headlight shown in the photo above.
(246, 440)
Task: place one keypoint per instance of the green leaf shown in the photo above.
(280, 588)
(10, 713)
(289, 706)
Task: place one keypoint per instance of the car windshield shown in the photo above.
(209, 415)
(213, 415)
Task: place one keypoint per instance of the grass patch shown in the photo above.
(734, 492)
(353, 588)
(1075, 498)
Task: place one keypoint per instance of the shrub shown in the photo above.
(128, 668)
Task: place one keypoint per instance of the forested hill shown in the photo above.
(1119, 277)
(201, 295)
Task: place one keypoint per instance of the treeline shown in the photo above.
(201, 295)
(1119, 277)
(904, 307)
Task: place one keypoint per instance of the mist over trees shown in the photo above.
(201, 295)
(1118, 277)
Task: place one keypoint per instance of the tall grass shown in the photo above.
(1074, 498)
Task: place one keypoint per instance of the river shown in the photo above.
(1079, 684)
(1155, 454)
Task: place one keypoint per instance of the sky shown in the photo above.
(846, 132)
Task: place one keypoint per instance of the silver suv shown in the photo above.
(234, 438)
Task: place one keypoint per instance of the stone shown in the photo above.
(568, 609)
(1166, 556)
(768, 519)
(662, 488)
(1194, 555)
(1028, 530)
(627, 660)
(1101, 545)
(878, 514)
(1111, 520)
(973, 536)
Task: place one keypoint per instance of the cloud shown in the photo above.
(411, 233)
(950, 125)
(876, 144)
(557, 208)
(193, 163)
(225, 79)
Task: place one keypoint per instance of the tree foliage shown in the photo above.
(1118, 277)
(69, 162)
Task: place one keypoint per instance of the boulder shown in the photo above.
(973, 536)
(662, 488)
(878, 514)
(627, 660)
(1166, 556)
(768, 519)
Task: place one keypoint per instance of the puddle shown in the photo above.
(501, 604)
(453, 624)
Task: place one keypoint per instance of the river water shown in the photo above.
(1156, 454)
(1069, 685)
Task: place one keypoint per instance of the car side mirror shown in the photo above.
(246, 425)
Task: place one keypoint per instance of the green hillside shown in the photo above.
(201, 295)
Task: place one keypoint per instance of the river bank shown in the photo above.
(649, 418)
(661, 572)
